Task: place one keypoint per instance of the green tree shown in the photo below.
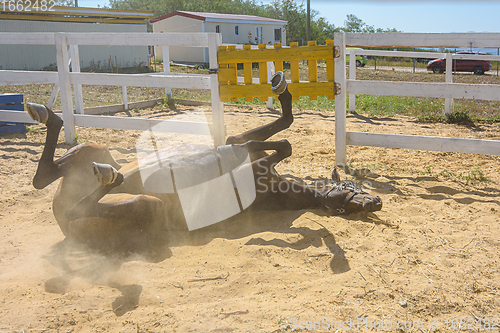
(162, 7)
(355, 24)
(67, 3)
(296, 16)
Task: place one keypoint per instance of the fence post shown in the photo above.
(270, 73)
(65, 87)
(53, 95)
(75, 68)
(448, 102)
(340, 100)
(166, 66)
(125, 97)
(352, 76)
(218, 131)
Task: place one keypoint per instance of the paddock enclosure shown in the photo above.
(428, 262)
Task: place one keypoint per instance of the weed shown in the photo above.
(472, 176)
(460, 117)
(447, 174)
(32, 129)
(169, 101)
(476, 175)
(78, 140)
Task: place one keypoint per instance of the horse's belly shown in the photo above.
(210, 185)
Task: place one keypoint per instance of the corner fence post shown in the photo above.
(65, 87)
(214, 41)
(340, 100)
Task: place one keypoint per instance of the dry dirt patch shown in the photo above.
(431, 254)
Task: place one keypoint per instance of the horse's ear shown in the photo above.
(335, 175)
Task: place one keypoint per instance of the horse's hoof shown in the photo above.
(38, 112)
(106, 174)
(278, 83)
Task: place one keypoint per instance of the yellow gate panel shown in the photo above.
(229, 58)
(281, 54)
(264, 90)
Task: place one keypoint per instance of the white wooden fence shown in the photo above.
(64, 79)
(447, 90)
(449, 73)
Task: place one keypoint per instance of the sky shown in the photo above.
(408, 16)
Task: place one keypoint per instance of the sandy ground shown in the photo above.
(427, 262)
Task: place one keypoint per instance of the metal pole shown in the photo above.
(308, 20)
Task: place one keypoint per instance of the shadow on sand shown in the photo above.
(97, 267)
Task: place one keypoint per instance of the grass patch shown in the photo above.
(193, 94)
(471, 177)
(423, 108)
(305, 103)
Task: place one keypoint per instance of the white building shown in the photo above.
(73, 19)
(235, 29)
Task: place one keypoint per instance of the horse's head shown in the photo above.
(345, 197)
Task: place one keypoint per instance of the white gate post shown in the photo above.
(270, 72)
(214, 41)
(166, 66)
(352, 76)
(340, 99)
(448, 102)
(65, 87)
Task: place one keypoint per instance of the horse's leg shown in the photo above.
(119, 221)
(264, 132)
(47, 170)
(282, 149)
(90, 204)
(107, 220)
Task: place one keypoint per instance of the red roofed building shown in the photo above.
(235, 29)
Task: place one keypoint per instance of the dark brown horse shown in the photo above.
(99, 201)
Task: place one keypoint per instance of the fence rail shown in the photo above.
(447, 90)
(476, 93)
(437, 40)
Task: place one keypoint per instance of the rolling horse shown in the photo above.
(101, 203)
